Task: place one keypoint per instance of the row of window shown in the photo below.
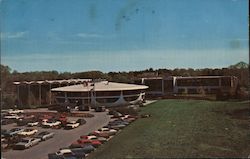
(99, 100)
(156, 85)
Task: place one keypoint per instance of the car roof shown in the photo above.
(65, 151)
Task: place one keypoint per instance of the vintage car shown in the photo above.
(28, 132)
(13, 132)
(33, 123)
(12, 116)
(94, 143)
(45, 135)
(26, 143)
(50, 123)
(67, 153)
(14, 111)
(72, 125)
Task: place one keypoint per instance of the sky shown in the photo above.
(122, 35)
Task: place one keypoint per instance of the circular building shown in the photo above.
(102, 93)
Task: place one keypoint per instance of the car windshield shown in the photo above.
(43, 133)
(25, 140)
(28, 130)
(15, 129)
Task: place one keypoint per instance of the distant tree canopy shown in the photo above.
(240, 70)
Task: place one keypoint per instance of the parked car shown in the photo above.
(28, 132)
(83, 108)
(33, 123)
(100, 109)
(94, 143)
(116, 115)
(100, 134)
(14, 111)
(86, 148)
(72, 125)
(50, 123)
(26, 143)
(80, 152)
(12, 116)
(88, 137)
(3, 132)
(102, 139)
(13, 132)
(44, 135)
(81, 121)
(108, 130)
(7, 121)
(116, 126)
(22, 122)
(66, 153)
(93, 137)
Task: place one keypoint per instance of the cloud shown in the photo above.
(13, 35)
(89, 35)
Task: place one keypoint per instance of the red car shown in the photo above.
(94, 143)
(89, 137)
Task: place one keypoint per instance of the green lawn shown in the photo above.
(184, 128)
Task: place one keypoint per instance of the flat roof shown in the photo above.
(53, 81)
(182, 77)
(100, 86)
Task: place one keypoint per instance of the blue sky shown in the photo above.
(122, 35)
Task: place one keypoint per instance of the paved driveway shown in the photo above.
(62, 138)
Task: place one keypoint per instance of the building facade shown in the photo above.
(102, 93)
(190, 85)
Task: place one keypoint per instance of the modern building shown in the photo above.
(101, 93)
(190, 85)
(39, 92)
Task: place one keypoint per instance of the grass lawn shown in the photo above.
(184, 128)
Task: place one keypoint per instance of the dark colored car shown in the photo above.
(13, 132)
(81, 121)
(67, 154)
(7, 121)
(3, 131)
(44, 135)
(22, 122)
(100, 109)
(85, 148)
(83, 108)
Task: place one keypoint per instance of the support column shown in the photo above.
(18, 94)
(40, 95)
(50, 93)
(65, 97)
(162, 86)
(29, 94)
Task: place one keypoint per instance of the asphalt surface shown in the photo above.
(62, 138)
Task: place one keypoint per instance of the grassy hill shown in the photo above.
(184, 128)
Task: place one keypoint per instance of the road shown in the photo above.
(62, 138)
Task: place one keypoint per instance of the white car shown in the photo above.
(28, 132)
(110, 131)
(12, 116)
(35, 123)
(91, 137)
(63, 152)
(72, 124)
(51, 123)
(14, 111)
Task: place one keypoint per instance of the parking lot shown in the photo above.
(62, 138)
